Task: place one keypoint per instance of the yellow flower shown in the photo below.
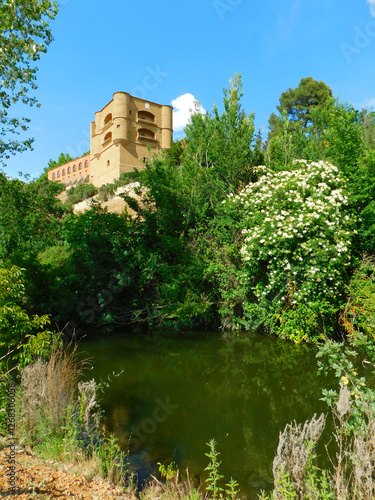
(345, 380)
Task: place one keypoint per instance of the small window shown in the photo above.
(63, 172)
(58, 174)
(74, 168)
(86, 163)
(80, 166)
(108, 163)
(108, 119)
(108, 137)
(147, 105)
(53, 176)
(118, 126)
(130, 111)
(69, 170)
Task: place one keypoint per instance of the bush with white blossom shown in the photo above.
(296, 248)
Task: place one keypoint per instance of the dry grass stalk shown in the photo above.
(173, 490)
(48, 390)
(294, 450)
(364, 463)
(91, 415)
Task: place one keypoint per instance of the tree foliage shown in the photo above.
(24, 35)
(29, 216)
(15, 323)
(215, 239)
(299, 103)
(295, 248)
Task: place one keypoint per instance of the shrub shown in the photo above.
(359, 313)
(80, 193)
(61, 418)
(47, 390)
(15, 323)
(351, 445)
(296, 248)
(106, 191)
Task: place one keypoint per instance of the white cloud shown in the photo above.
(184, 106)
(372, 6)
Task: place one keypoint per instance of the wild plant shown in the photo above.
(61, 416)
(231, 490)
(351, 448)
(213, 467)
(172, 490)
(47, 390)
(295, 452)
(167, 472)
(296, 247)
(113, 461)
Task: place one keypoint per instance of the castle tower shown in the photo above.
(127, 131)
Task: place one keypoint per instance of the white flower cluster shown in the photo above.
(295, 224)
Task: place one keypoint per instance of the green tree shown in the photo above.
(30, 216)
(15, 323)
(221, 145)
(289, 143)
(343, 137)
(23, 338)
(61, 160)
(367, 119)
(24, 35)
(299, 103)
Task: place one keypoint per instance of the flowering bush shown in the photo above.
(296, 247)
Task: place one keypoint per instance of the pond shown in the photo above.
(176, 393)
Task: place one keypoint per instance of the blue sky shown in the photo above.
(163, 50)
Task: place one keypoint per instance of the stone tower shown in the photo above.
(125, 132)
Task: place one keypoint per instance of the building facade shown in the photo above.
(73, 172)
(125, 133)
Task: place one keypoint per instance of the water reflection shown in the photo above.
(177, 393)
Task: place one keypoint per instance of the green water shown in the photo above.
(175, 394)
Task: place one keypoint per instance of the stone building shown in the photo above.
(127, 131)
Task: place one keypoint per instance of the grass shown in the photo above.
(60, 419)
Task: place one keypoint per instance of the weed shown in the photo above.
(213, 471)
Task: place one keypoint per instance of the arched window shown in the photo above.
(146, 133)
(80, 166)
(53, 176)
(58, 174)
(86, 163)
(108, 119)
(108, 137)
(63, 172)
(146, 115)
(74, 168)
(69, 170)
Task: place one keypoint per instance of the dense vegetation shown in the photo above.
(231, 232)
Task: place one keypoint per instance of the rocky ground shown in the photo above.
(44, 480)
